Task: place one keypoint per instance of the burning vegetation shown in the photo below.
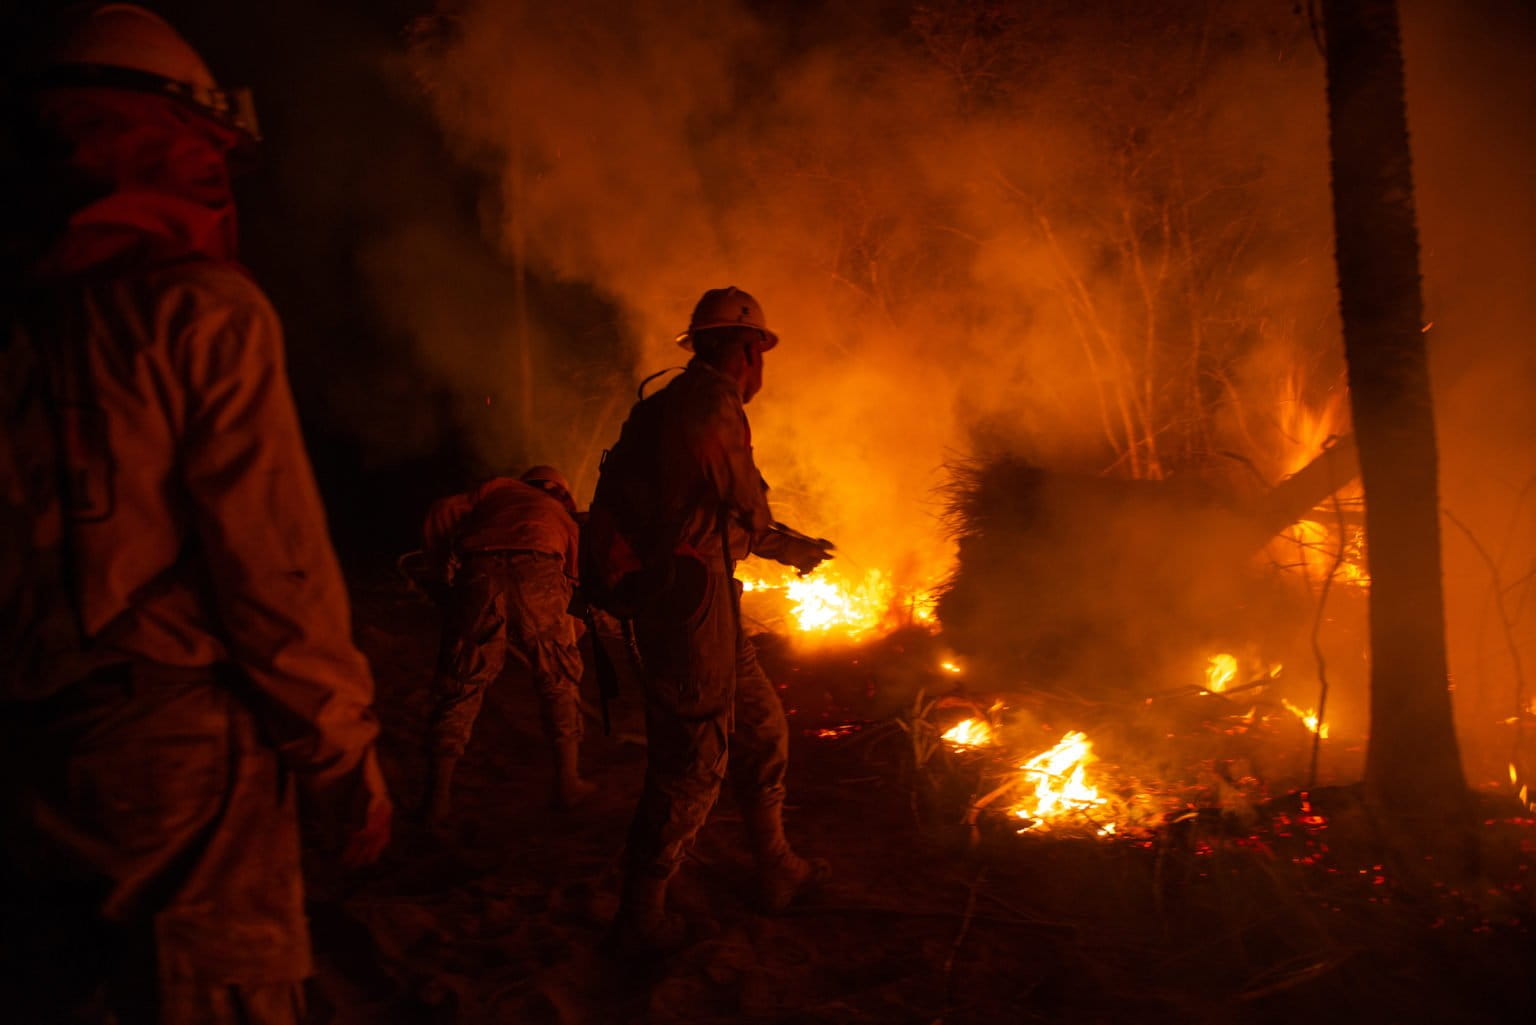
(1060, 373)
(1083, 703)
(828, 606)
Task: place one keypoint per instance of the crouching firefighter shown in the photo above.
(678, 502)
(506, 553)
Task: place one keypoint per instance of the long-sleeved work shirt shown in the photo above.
(194, 523)
(682, 477)
(501, 514)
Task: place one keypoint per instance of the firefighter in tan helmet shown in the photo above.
(679, 501)
(178, 671)
(505, 555)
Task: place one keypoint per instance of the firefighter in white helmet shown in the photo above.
(179, 671)
(679, 501)
(505, 553)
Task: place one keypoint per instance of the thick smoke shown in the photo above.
(1471, 102)
(1027, 231)
(1098, 239)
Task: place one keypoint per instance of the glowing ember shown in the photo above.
(949, 667)
(1309, 718)
(1220, 673)
(969, 733)
(1057, 787)
(1521, 790)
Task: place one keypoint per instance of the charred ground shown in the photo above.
(1288, 915)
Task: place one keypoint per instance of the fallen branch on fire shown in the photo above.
(1195, 690)
(1099, 583)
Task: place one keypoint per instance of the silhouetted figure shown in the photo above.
(678, 502)
(506, 554)
(178, 667)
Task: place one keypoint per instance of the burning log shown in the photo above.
(1093, 584)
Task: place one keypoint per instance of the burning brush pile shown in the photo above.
(1107, 659)
(1030, 763)
(878, 678)
(1112, 657)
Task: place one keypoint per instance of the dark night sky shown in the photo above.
(349, 150)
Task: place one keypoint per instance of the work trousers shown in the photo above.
(151, 850)
(501, 603)
(711, 714)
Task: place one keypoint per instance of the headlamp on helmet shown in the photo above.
(125, 46)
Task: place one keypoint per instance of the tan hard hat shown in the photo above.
(547, 474)
(126, 46)
(727, 307)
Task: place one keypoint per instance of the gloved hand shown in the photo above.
(369, 819)
(804, 555)
(791, 548)
(365, 845)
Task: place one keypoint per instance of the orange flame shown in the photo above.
(1220, 672)
(1522, 790)
(1306, 427)
(828, 605)
(1057, 786)
(1308, 718)
(970, 733)
(1313, 546)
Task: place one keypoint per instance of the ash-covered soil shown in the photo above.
(502, 919)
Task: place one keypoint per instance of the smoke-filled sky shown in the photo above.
(1040, 229)
(1097, 235)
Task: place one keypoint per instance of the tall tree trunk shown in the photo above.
(1413, 773)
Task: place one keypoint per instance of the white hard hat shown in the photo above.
(727, 307)
(125, 46)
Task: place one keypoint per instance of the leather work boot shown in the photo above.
(439, 804)
(570, 789)
(644, 928)
(787, 878)
(782, 875)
